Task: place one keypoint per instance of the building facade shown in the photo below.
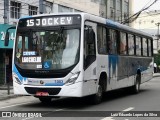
(149, 22)
(12, 10)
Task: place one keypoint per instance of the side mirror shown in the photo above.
(6, 42)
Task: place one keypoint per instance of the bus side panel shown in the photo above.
(90, 83)
(122, 78)
(108, 64)
(128, 68)
(102, 67)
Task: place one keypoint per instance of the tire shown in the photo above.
(136, 88)
(45, 99)
(97, 98)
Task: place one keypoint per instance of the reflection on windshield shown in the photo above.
(52, 50)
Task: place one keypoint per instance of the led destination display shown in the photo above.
(49, 21)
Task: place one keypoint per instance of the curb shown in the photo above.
(9, 97)
(6, 88)
(156, 75)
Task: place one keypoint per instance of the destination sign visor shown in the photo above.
(44, 21)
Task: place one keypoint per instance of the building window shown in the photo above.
(112, 9)
(33, 10)
(15, 9)
(119, 11)
(48, 7)
(126, 10)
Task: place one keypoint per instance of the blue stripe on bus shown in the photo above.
(18, 74)
(54, 84)
(111, 23)
(26, 17)
(113, 62)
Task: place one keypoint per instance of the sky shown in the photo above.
(139, 4)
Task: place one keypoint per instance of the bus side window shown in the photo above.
(101, 40)
(131, 45)
(123, 43)
(150, 47)
(112, 43)
(145, 47)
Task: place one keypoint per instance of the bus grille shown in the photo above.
(51, 91)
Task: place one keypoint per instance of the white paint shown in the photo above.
(128, 109)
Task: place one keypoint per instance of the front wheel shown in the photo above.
(45, 99)
(97, 98)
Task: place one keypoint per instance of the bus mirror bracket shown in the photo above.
(6, 42)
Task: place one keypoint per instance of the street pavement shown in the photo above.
(7, 93)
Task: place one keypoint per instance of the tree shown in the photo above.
(157, 58)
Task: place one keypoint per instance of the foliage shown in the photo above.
(157, 58)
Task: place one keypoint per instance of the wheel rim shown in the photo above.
(137, 86)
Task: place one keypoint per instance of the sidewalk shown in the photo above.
(156, 75)
(5, 94)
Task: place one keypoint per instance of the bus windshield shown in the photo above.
(52, 49)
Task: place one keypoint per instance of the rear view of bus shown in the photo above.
(46, 56)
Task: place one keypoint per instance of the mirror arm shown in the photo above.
(6, 42)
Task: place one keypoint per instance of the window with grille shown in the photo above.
(33, 10)
(15, 9)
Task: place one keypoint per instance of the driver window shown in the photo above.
(89, 48)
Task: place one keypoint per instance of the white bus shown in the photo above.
(78, 54)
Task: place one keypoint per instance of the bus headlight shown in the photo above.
(72, 79)
(17, 79)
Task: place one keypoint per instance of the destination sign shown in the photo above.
(49, 21)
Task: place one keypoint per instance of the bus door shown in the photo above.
(90, 60)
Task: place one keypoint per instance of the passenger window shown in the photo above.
(150, 47)
(123, 43)
(102, 43)
(130, 44)
(145, 47)
(138, 46)
(112, 43)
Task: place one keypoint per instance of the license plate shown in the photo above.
(42, 94)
